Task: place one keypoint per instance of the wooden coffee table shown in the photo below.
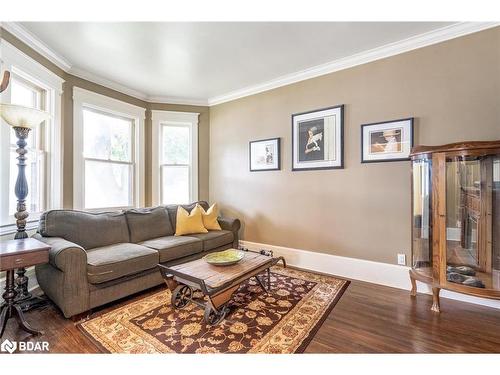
(218, 283)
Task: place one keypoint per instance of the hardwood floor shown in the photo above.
(369, 318)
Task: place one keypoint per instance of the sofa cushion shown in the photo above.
(147, 223)
(89, 230)
(172, 210)
(215, 238)
(112, 262)
(174, 247)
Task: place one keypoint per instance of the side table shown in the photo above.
(16, 254)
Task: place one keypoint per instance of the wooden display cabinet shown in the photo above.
(456, 219)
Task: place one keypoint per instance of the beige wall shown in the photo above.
(362, 211)
(67, 123)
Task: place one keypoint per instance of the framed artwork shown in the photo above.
(318, 139)
(265, 155)
(387, 141)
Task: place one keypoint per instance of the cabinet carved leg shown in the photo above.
(413, 291)
(435, 300)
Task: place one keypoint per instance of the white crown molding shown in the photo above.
(77, 72)
(80, 73)
(177, 100)
(18, 60)
(405, 45)
(32, 41)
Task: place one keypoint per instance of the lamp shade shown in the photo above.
(22, 117)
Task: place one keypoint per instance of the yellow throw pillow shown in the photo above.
(189, 223)
(210, 217)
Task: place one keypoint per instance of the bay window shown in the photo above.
(31, 85)
(107, 151)
(175, 157)
(108, 154)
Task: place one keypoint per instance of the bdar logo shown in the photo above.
(8, 346)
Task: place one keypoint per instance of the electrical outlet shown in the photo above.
(402, 259)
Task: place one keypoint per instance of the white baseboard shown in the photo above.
(358, 269)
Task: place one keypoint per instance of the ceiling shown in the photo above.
(197, 62)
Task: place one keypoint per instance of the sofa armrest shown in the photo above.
(64, 278)
(229, 224)
(234, 226)
(64, 255)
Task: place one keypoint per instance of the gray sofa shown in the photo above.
(97, 258)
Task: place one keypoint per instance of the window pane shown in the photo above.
(30, 95)
(175, 144)
(107, 184)
(27, 96)
(23, 95)
(33, 173)
(175, 185)
(106, 137)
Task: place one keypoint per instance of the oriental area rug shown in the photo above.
(281, 321)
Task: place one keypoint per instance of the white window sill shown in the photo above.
(106, 209)
(12, 228)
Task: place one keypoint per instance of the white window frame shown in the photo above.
(88, 99)
(189, 119)
(23, 66)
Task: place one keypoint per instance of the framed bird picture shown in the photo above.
(318, 139)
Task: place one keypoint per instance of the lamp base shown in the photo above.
(21, 187)
(21, 235)
(22, 285)
(33, 302)
(11, 308)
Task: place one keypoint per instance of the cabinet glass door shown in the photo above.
(472, 221)
(421, 231)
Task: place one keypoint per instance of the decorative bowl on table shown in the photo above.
(224, 258)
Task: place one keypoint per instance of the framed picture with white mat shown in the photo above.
(318, 139)
(387, 141)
